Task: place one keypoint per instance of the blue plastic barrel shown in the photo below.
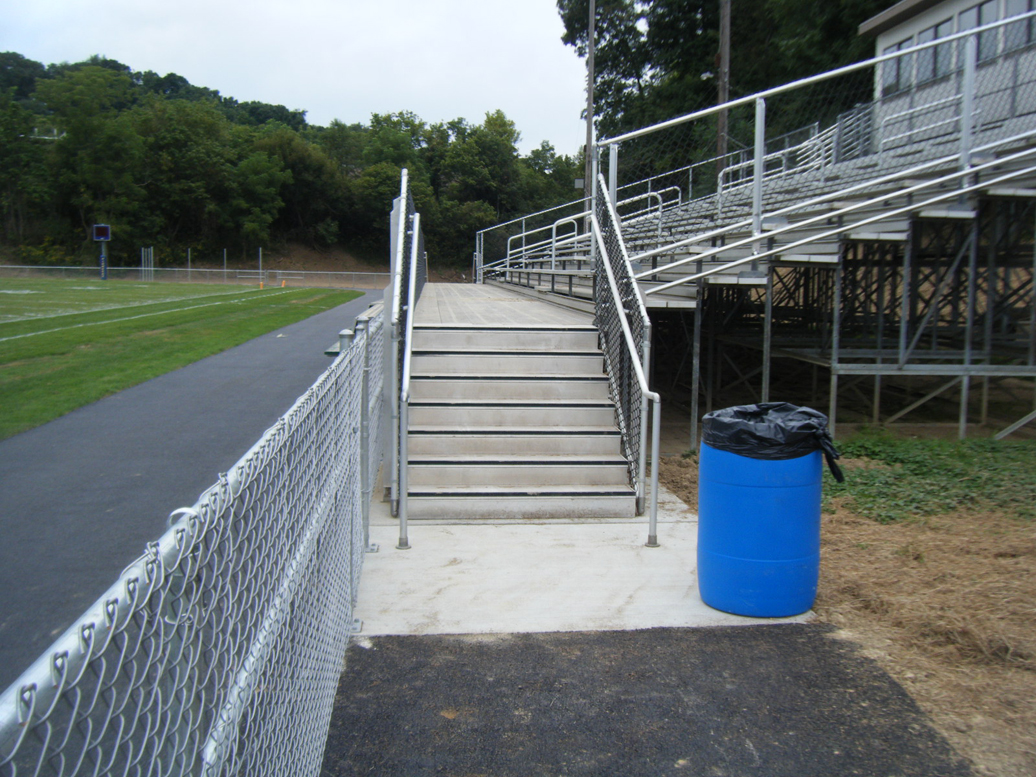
(758, 533)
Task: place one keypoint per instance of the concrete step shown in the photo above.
(478, 414)
(520, 387)
(544, 503)
(456, 471)
(528, 441)
(507, 363)
(575, 338)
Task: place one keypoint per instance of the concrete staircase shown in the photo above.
(513, 422)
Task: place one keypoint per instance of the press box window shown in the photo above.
(934, 61)
(1019, 34)
(895, 73)
(978, 16)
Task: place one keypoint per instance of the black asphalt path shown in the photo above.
(80, 497)
(753, 701)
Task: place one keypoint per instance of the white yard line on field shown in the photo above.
(161, 301)
(130, 318)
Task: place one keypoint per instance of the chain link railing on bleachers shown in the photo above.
(942, 99)
(625, 331)
(218, 652)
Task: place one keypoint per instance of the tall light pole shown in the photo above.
(588, 154)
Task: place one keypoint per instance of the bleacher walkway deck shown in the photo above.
(477, 304)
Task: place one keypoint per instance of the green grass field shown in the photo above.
(65, 344)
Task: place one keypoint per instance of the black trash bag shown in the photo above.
(771, 431)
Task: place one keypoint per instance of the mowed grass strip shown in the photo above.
(40, 298)
(45, 375)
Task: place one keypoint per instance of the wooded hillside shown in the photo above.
(174, 165)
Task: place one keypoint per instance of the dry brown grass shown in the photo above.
(947, 605)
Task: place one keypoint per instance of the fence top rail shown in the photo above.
(815, 79)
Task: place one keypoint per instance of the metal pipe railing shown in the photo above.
(400, 217)
(884, 215)
(812, 202)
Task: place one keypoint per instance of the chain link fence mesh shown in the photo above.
(915, 107)
(625, 387)
(218, 652)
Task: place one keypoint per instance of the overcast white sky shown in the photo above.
(335, 59)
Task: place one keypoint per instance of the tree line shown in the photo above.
(659, 59)
(175, 165)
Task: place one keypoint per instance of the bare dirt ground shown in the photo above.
(946, 605)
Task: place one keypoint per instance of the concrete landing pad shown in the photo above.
(515, 576)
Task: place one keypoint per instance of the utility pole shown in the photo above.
(724, 81)
(588, 154)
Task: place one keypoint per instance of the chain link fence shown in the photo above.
(925, 104)
(218, 651)
(304, 278)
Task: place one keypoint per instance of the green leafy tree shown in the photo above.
(19, 73)
(24, 176)
(344, 144)
(657, 59)
(255, 197)
(98, 161)
(315, 194)
(396, 138)
(187, 170)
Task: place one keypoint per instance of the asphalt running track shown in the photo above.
(81, 496)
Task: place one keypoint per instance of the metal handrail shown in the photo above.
(918, 111)
(814, 201)
(643, 212)
(413, 294)
(885, 214)
(574, 237)
(395, 313)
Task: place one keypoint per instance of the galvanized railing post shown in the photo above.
(613, 172)
(758, 171)
(967, 108)
(366, 486)
(394, 419)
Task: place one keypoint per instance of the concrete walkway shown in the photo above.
(515, 649)
(520, 577)
(495, 647)
(518, 649)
